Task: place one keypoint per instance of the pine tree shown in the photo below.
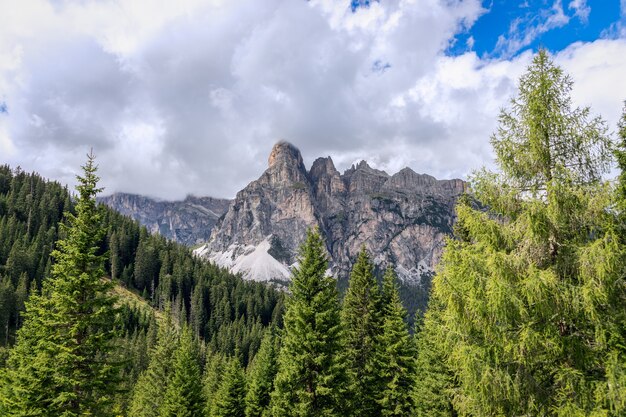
(531, 299)
(230, 397)
(361, 321)
(261, 376)
(148, 398)
(395, 354)
(183, 397)
(59, 365)
(311, 375)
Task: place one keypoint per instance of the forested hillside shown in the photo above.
(223, 310)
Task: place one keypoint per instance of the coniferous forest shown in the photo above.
(526, 316)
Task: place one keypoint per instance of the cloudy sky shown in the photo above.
(188, 96)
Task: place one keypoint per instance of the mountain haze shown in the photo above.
(188, 222)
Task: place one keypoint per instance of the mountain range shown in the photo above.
(189, 222)
(402, 219)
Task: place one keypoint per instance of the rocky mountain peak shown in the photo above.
(286, 168)
(323, 166)
(402, 219)
(284, 153)
(364, 179)
(409, 179)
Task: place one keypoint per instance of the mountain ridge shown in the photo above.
(402, 219)
(187, 221)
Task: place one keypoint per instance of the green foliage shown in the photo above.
(214, 370)
(147, 396)
(395, 355)
(361, 321)
(532, 298)
(222, 309)
(60, 366)
(620, 156)
(183, 397)
(434, 384)
(261, 376)
(542, 138)
(230, 397)
(311, 376)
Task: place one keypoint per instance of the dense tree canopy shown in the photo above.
(532, 298)
(60, 365)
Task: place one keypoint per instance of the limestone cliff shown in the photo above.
(188, 222)
(401, 219)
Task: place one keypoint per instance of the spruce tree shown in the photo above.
(147, 396)
(361, 321)
(183, 397)
(395, 355)
(434, 385)
(60, 364)
(230, 397)
(311, 376)
(261, 376)
(214, 370)
(532, 298)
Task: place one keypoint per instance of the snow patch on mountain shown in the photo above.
(253, 262)
(414, 275)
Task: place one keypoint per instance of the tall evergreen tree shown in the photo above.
(60, 366)
(214, 370)
(361, 321)
(395, 354)
(183, 397)
(261, 376)
(230, 397)
(147, 397)
(533, 297)
(434, 385)
(311, 376)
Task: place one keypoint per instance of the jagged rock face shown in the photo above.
(279, 204)
(401, 219)
(188, 222)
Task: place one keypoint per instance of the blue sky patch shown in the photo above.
(4, 108)
(355, 4)
(510, 27)
(380, 66)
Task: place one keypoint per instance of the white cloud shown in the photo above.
(524, 30)
(597, 69)
(189, 97)
(581, 9)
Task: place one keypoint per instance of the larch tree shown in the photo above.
(311, 375)
(361, 320)
(61, 363)
(530, 297)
